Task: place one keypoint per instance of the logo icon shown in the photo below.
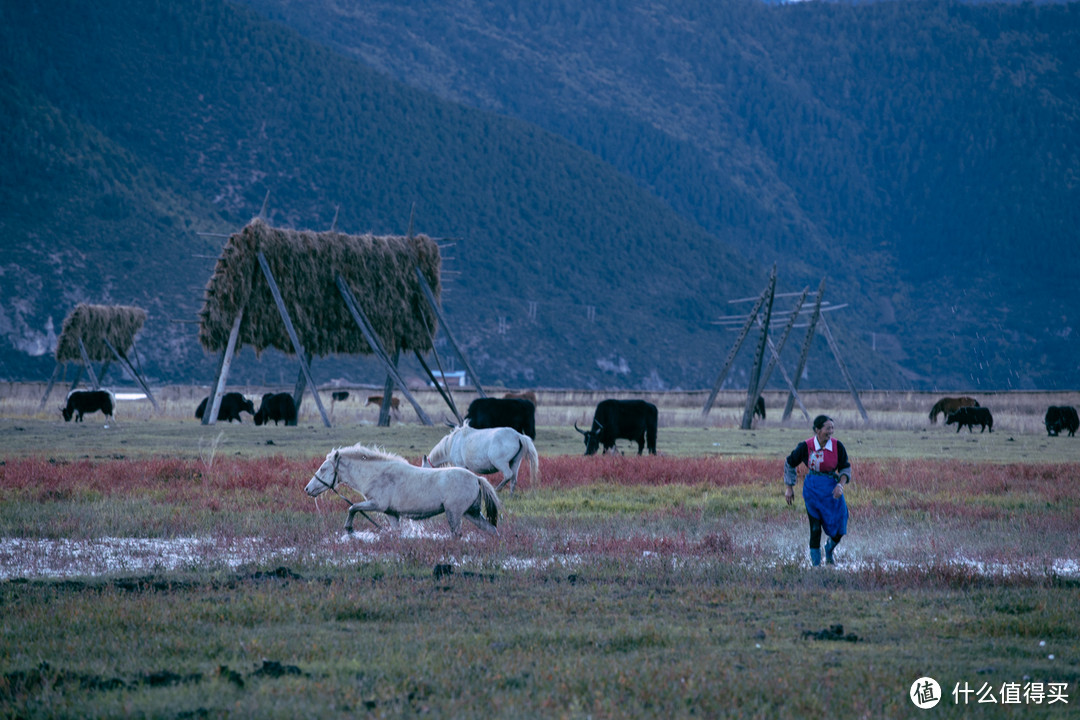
(925, 693)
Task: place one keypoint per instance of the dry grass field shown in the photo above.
(1020, 412)
(898, 425)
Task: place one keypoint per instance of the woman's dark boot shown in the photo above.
(829, 547)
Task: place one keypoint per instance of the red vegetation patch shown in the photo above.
(929, 476)
(276, 479)
(566, 471)
(966, 478)
(279, 479)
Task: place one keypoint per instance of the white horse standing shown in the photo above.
(391, 485)
(486, 451)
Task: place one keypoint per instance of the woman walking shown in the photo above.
(823, 487)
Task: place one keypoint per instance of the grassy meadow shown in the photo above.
(160, 568)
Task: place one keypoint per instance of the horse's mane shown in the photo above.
(363, 452)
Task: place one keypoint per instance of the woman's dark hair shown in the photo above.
(820, 420)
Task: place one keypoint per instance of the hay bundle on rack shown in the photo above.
(94, 324)
(378, 269)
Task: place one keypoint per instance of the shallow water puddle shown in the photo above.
(27, 558)
(45, 558)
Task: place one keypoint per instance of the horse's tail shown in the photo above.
(489, 500)
(532, 457)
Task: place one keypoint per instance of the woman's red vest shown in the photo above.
(823, 461)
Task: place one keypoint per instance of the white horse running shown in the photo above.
(486, 451)
(391, 485)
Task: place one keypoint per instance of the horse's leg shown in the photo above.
(515, 468)
(453, 518)
(509, 473)
(360, 507)
(481, 522)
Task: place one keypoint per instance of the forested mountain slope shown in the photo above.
(132, 132)
(924, 155)
(605, 178)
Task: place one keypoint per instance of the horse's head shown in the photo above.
(326, 477)
(440, 454)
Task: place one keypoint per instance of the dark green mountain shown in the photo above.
(924, 155)
(685, 149)
(135, 130)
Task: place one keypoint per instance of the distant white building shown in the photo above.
(446, 379)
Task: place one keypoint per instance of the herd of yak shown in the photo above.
(966, 411)
(633, 420)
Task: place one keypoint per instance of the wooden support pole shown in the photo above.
(775, 359)
(126, 364)
(755, 373)
(441, 386)
(791, 386)
(210, 413)
(300, 386)
(78, 377)
(732, 353)
(843, 368)
(804, 354)
(388, 397)
(49, 387)
(373, 340)
(445, 392)
(449, 335)
(89, 368)
(298, 347)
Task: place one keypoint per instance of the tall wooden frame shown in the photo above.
(759, 378)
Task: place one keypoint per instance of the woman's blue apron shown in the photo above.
(817, 494)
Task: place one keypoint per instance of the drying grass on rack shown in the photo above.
(380, 271)
(94, 324)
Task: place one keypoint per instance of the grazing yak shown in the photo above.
(279, 406)
(1060, 418)
(971, 416)
(339, 395)
(759, 407)
(628, 419)
(88, 401)
(232, 404)
(503, 412)
(949, 405)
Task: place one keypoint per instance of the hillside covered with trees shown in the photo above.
(922, 154)
(603, 181)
